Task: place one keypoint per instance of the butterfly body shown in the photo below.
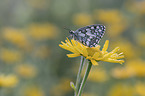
(89, 35)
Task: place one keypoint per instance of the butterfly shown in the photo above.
(89, 35)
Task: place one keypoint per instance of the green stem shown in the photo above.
(85, 78)
(79, 75)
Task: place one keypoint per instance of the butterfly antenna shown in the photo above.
(74, 26)
(67, 28)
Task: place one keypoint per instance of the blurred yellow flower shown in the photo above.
(108, 16)
(40, 4)
(126, 47)
(139, 88)
(128, 90)
(115, 20)
(121, 73)
(43, 31)
(42, 52)
(114, 30)
(26, 70)
(137, 67)
(140, 38)
(82, 19)
(93, 54)
(10, 56)
(33, 91)
(62, 88)
(8, 81)
(89, 94)
(137, 7)
(97, 75)
(121, 90)
(16, 36)
(133, 68)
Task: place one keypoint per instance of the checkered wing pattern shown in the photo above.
(90, 35)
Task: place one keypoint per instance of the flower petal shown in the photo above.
(114, 61)
(73, 55)
(94, 62)
(85, 53)
(115, 50)
(105, 47)
(96, 55)
(120, 57)
(74, 42)
(68, 48)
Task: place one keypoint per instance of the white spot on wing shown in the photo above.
(99, 30)
(97, 27)
(89, 33)
(90, 37)
(81, 34)
(87, 43)
(92, 27)
(96, 30)
(88, 30)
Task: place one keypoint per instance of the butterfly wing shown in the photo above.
(90, 35)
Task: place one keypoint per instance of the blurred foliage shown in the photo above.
(33, 64)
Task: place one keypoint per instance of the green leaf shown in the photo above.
(72, 86)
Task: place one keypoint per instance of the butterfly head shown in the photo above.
(71, 32)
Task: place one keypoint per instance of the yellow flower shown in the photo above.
(16, 36)
(109, 16)
(139, 88)
(140, 38)
(137, 7)
(39, 4)
(42, 52)
(133, 68)
(82, 19)
(93, 54)
(26, 71)
(62, 88)
(33, 91)
(115, 20)
(136, 67)
(43, 31)
(127, 47)
(89, 94)
(121, 73)
(8, 81)
(115, 30)
(97, 75)
(10, 56)
(121, 90)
